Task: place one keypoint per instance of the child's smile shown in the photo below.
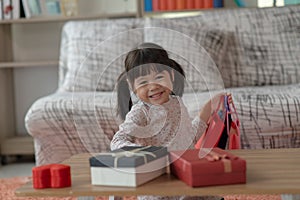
(154, 88)
(159, 97)
(156, 96)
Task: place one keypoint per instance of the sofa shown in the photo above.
(252, 53)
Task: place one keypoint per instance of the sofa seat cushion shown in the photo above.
(86, 121)
(71, 123)
(269, 116)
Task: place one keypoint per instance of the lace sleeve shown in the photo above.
(199, 127)
(123, 137)
(140, 124)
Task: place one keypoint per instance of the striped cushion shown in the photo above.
(93, 53)
(198, 48)
(264, 50)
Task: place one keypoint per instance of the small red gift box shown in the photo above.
(41, 177)
(60, 176)
(217, 167)
(51, 176)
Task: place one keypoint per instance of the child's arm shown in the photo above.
(139, 125)
(199, 127)
(121, 140)
(123, 136)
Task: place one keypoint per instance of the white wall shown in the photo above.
(31, 84)
(34, 42)
(94, 7)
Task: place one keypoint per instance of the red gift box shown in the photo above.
(41, 177)
(217, 167)
(60, 176)
(51, 176)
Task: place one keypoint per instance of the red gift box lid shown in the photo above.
(60, 170)
(41, 171)
(41, 177)
(60, 175)
(189, 160)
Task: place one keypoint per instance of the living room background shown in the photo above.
(30, 40)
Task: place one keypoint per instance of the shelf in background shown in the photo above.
(64, 19)
(17, 145)
(28, 64)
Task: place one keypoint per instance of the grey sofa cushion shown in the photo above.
(197, 47)
(85, 121)
(92, 52)
(264, 49)
(71, 123)
(269, 116)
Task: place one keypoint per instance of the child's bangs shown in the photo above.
(145, 69)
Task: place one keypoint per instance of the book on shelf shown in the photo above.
(32, 8)
(9, 9)
(155, 5)
(69, 7)
(199, 4)
(1, 12)
(218, 4)
(42, 8)
(163, 4)
(148, 5)
(291, 2)
(208, 4)
(240, 3)
(180, 4)
(51, 7)
(190, 4)
(171, 4)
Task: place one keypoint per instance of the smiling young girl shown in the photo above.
(158, 116)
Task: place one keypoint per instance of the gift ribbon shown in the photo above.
(214, 156)
(131, 153)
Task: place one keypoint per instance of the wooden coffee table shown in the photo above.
(269, 171)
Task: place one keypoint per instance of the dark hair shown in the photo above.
(154, 57)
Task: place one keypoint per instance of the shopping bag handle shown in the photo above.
(231, 110)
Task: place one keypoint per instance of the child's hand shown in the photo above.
(229, 98)
(208, 108)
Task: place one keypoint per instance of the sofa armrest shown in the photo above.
(65, 123)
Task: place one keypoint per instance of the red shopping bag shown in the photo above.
(221, 128)
(233, 128)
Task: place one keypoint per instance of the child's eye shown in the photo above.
(159, 77)
(143, 83)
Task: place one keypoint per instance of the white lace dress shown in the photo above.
(167, 125)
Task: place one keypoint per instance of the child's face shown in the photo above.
(154, 88)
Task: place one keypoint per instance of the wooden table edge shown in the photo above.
(27, 190)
